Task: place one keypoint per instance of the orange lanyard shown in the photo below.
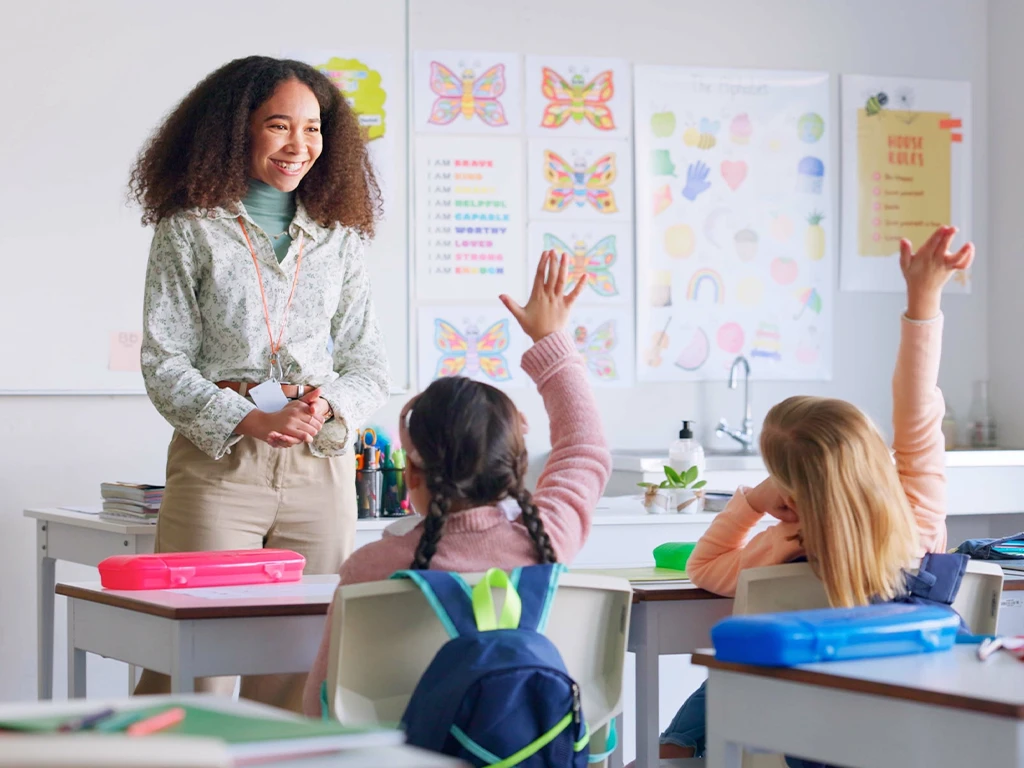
(276, 374)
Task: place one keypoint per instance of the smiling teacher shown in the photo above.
(262, 195)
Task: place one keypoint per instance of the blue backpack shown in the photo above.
(497, 694)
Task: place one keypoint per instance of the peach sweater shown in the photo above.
(919, 450)
(476, 539)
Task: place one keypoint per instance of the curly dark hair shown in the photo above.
(469, 437)
(199, 156)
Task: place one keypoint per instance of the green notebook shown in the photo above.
(248, 737)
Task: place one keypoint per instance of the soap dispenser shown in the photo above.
(686, 452)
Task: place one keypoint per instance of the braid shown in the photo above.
(531, 519)
(433, 527)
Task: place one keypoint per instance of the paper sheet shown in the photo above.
(467, 92)
(735, 236)
(469, 220)
(578, 96)
(906, 170)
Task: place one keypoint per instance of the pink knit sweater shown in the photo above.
(483, 537)
(919, 448)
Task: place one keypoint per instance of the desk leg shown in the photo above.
(183, 679)
(647, 706)
(76, 659)
(45, 583)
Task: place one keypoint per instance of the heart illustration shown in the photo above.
(734, 173)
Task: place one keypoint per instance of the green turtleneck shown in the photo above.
(273, 211)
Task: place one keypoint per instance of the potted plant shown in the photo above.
(676, 493)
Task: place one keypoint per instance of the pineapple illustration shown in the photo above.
(814, 239)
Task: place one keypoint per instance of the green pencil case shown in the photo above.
(673, 554)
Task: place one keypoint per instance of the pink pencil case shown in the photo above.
(174, 570)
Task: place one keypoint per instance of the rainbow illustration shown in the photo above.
(706, 277)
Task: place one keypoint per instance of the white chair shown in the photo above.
(384, 635)
(794, 587)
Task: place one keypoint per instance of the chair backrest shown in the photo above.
(794, 587)
(384, 634)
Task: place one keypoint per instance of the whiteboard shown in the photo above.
(103, 75)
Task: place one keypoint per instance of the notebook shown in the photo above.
(249, 739)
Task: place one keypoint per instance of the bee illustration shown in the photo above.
(875, 103)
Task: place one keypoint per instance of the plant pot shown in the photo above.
(670, 501)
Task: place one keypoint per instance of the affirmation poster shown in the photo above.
(480, 342)
(906, 171)
(578, 96)
(735, 238)
(467, 92)
(369, 83)
(469, 219)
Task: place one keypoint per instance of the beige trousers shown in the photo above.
(254, 497)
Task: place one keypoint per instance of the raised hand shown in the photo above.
(929, 268)
(547, 310)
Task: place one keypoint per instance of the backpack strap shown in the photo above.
(537, 585)
(450, 597)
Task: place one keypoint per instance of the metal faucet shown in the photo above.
(744, 437)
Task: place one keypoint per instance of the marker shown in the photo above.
(158, 722)
(86, 722)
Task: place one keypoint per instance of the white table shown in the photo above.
(384, 757)
(186, 633)
(944, 710)
(76, 538)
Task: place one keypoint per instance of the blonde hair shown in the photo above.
(855, 521)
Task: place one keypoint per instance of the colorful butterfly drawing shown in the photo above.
(594, 265)
(467, 96)
(577, 100)
(579, 183)
(596, 349)
(472, 353)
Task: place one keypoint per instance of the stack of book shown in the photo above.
(131, 502)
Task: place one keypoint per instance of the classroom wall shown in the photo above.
(1006, 311)
(57, 450)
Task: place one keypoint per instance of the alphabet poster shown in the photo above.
(735, 223)
(906, 171)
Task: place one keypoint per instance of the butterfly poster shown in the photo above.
(601, 254)
(578, 96)
(573, 179)
(467, 92)
(604, 338)
(479, 342)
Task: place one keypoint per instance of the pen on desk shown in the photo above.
(158, 722)
(119, 721)
(86, 722)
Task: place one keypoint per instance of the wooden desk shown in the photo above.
(384, 757)
(945, 710)
(76, 538)
(187, 633)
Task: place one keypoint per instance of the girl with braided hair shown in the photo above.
(467, 465)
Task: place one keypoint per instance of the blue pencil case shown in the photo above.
(834, 634)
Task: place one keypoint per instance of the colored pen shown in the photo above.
(118, 722)
(86, 722)
(158, 722)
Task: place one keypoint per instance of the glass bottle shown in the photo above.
(982, 427)
(949, 429)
